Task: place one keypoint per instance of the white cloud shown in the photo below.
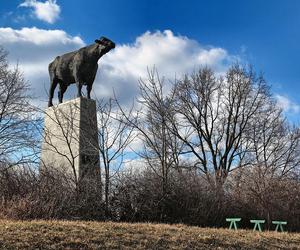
(37, 37)
(172, 55)
(33, 49)
(287, 105)
(120, 69)
(134, 166)
(47, 11)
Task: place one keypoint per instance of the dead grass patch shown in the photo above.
(108, 235)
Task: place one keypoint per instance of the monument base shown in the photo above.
(70, 143)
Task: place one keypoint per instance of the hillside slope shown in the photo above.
(107, 235)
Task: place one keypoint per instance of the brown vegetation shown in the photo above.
(108, 235)
(213, 147)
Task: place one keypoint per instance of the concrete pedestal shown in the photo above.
(70, 143)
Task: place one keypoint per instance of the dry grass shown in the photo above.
(107, 235)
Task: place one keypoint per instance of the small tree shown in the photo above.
(61, 139)
(269, 182)
(161, 147)
(17, 136)
(115, 134)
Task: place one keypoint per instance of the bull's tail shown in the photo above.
(52, 66)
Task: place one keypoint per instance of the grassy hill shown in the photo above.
(107, 235)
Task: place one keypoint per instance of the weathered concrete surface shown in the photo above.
(70, 143)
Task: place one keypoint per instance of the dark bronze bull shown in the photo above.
(78, 67)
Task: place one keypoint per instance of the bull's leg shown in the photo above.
(62, 90)
(88, 90)
(51, 92)
(79, 87)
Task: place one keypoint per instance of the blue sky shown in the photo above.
(263, 33)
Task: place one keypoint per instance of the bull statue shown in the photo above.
(78, 67)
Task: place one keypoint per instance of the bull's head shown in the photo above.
(107, 44)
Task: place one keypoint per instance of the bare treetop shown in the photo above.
(78, 67)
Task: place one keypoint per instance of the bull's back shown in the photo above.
(61, 68)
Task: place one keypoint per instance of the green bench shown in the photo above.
(257, 224)
(233, 222)
(279, 225)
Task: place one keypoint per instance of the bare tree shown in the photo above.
(115, 134)
(270, 181)
(214, 115)
(17, 136)
(276, 143)
(61, 143)
(159, 148)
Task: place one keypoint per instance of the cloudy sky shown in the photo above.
(175, 36)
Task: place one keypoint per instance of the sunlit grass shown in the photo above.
(108, 235)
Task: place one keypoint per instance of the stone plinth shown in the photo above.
(70, 143)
